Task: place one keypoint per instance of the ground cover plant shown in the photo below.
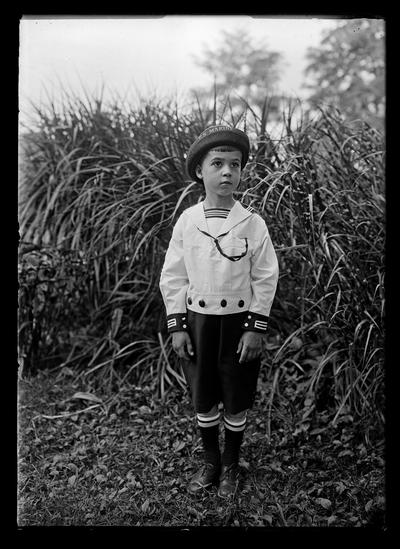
(101, 459)
(101, 186)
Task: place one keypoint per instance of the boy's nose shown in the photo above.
(226, 170)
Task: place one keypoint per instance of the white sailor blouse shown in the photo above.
(231, 272)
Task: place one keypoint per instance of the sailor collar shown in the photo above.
(236, 215)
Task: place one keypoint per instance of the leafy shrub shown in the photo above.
(51, 299)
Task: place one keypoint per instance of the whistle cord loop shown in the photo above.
(216, 241)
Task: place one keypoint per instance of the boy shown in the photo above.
(218, 283)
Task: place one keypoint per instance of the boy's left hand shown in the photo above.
(250, 346)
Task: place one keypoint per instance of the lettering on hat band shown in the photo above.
(214, 129)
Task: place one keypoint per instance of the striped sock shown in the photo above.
(234, 431)
(209, 431)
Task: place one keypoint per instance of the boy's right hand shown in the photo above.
(182, 345)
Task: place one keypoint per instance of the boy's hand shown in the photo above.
(250, 346)
(182, 344)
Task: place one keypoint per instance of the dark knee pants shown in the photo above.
(214, 374)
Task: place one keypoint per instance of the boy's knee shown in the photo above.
(236, 417)
(211, 413)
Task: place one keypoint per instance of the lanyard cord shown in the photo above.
(230, 257)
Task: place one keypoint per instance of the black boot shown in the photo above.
(228, 480)
(205, 477)
(209, 472)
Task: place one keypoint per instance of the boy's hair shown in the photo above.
(217, 138)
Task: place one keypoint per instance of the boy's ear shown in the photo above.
(198, 171)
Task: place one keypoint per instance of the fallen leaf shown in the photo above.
(145, 505)
(276, 466)
(144, 409)
(268, 518)
(380, 501)
(296, 343)
(340, 487)
(87, 396)
(318, 430)
(73, 467)
(71, 480)
(345, 453)
(325, 503)
(369, 505)
(310, 362)
(178, 446)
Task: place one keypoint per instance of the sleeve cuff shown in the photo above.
(255, 322)
(177, 323)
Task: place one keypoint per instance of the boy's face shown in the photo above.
(220, 171)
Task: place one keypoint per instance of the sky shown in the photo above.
(146, 54)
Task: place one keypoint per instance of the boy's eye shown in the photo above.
(219, 163)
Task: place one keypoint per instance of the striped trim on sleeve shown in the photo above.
(255, 322)
(177, 322)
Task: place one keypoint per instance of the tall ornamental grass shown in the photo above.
(321, 190)
(100, 189)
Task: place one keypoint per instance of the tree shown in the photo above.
(348, 70)
(241, 68)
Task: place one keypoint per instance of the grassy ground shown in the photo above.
(126, 461)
